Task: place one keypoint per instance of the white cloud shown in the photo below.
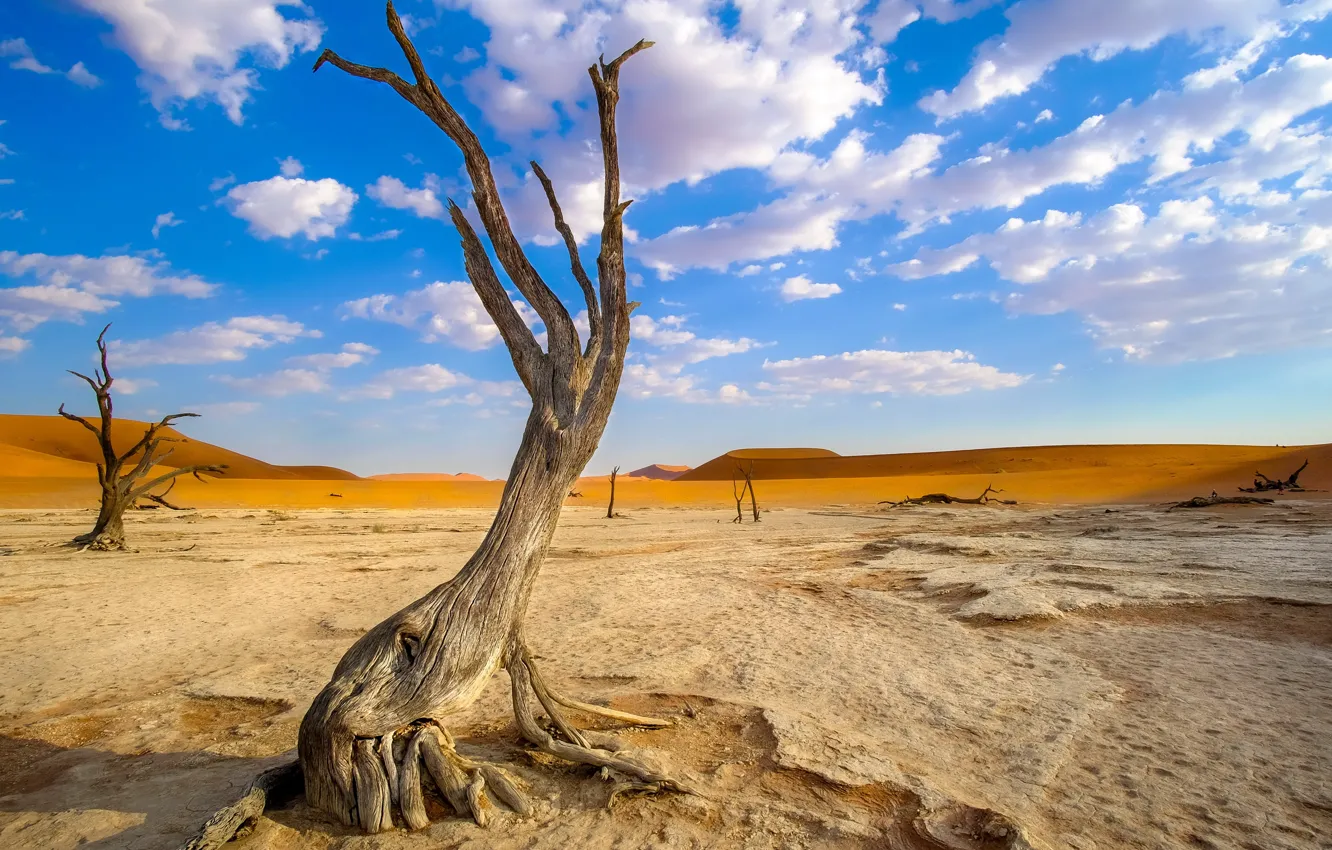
(24, 60)
(1044, 115)
(467, 54)
(220, 183)
(285, 206)
(291, 167)
(132, 386)
(1041, 32)
(281, 383)
(800, 288)
(879, 371)
(452, 311)
(429, 378)
(659, 372)
(749, 271)
(725, 87)
(1192, 282)
(213, 342)
(80, 75)
(13, 215)
(392, 192)
(72, 285)
(890, 17)
(166, 219)
(375, 237)
(899, 307)
(190, 50)
(351, 354)
(1249, 119)
(12, 344)
(773, 230)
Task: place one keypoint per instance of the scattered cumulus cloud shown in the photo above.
(801, 288)
(443, 311)
(166, 219)
(212, 342)
(286, 206)
(22, 59)
(69, 286)
(191, 51)
(881, 371)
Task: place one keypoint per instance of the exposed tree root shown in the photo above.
(945, 499)
(271, 788)
(388, 773)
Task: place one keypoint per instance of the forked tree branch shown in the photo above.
(426, 97)
(152, 431)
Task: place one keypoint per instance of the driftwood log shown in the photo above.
(945, 499)
(382, 718)
(1210, 501)
(120, 491)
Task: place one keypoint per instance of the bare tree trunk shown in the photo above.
(610, 509)
(402, 679)
(119, 492)
(749, 483)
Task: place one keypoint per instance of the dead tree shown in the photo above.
(739, 495)
(610, 509)
(945, 499)
(749, 483)
(384, 713)
(1261, 483)
(119, 491)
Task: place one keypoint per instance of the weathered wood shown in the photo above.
(1262, 484)
(1213, 500)
(271, 788)
(121, 491)
(946, 499)
(610, 509)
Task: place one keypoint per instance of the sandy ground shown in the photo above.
(1082, 677)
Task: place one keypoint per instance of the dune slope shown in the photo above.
(61, 438)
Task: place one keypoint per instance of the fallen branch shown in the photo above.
(945, 499)
(1209, 501)
(1263, 484)
(161, 500)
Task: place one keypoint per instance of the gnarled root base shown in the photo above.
(389, 772)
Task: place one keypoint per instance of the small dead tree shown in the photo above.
(610, 509)
(739, 494)
(120, 491)
(381, 718)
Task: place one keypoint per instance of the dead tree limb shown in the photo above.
(610, 509)
(407, 676)
(162, 500)
(120, 491)
(945, 499)
(749, 483)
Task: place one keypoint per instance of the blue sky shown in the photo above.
(895, 226)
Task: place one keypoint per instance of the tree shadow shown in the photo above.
(112, 801)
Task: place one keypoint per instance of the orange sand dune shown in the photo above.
(61, 438)
(16, 462)
(1162, 461)
(660, 472)
(427, 476)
